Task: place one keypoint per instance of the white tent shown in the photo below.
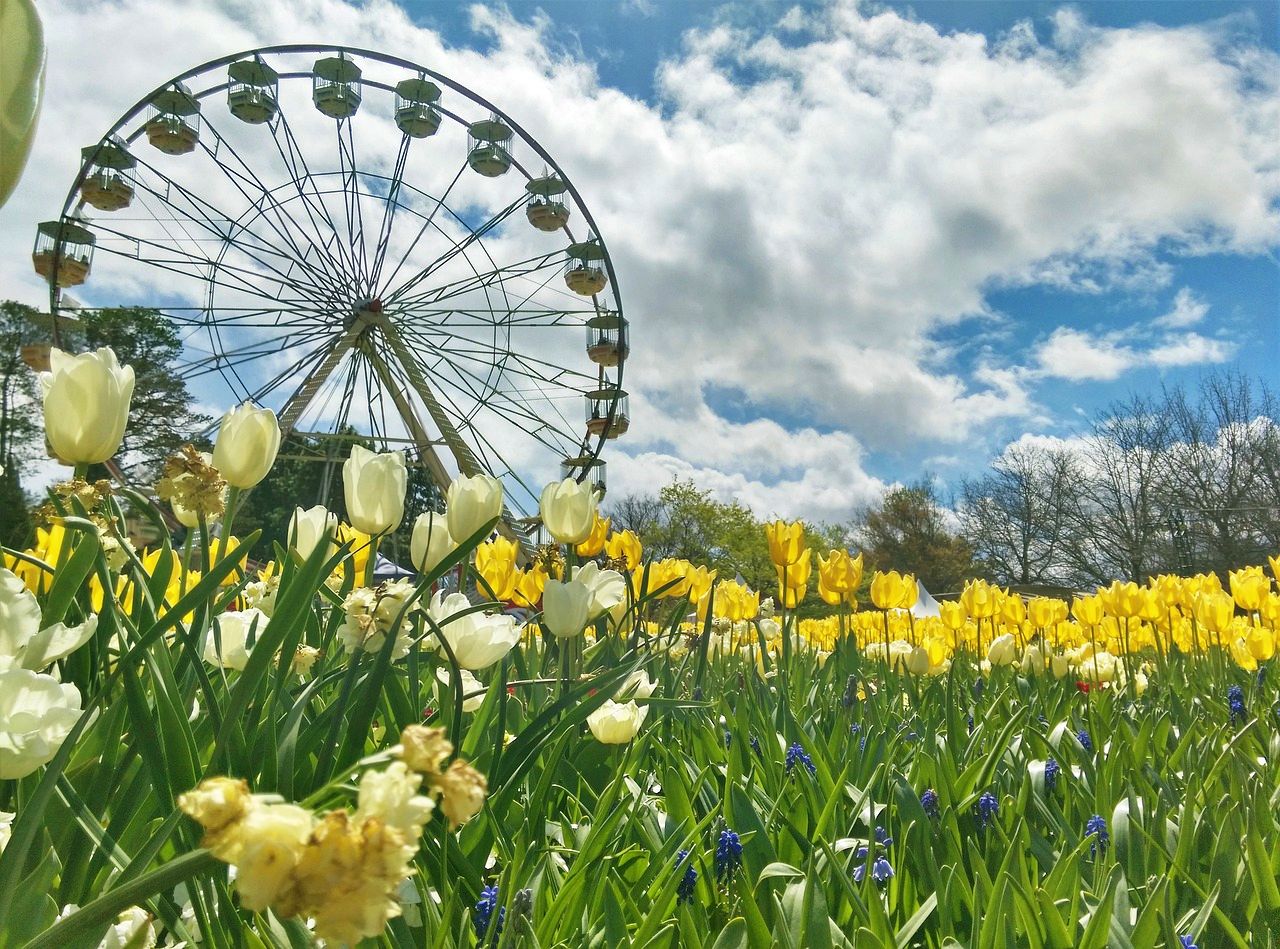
(926, 605)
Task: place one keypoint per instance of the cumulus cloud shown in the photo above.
(1188, 310)
(800, 209)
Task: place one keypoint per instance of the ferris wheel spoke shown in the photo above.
(352, 209)
(258, 252)
(428, 222)
(327, 270)
(478, 281)
(244, 276)
(474, 235)
(388, 213)
(472, 386)
(217, 361)
(294, 158)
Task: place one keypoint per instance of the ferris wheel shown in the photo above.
(365, 246)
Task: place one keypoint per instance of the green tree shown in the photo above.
(908, 530)
(21, 432)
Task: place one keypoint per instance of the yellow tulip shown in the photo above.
(980, 599)
(1087, 609)
(839, 573)
(594, 544)
(1213, 610)
(1269, 610)
(496, 563)
(1044, 611)
(1013, 611)
(1249, 587)
(786, 541)
(1122, 600)
(952, 614)
(1275, 566)
(529, 586)
(624, 546)
(793, 580)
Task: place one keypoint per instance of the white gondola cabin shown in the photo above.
(416, 112)
(108, 183)
(584, 273)
(488, 151)
(545, 210)
(174, 125)
(66, 246)
(253, 91)
(335, 86)
(600, 421)
(607, 339)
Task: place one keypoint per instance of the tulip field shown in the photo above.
(209, 742)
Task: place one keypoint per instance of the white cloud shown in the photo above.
(1191, 349)
(1188, 310)
(798, 237)
(1079, 356)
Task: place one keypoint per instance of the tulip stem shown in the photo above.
(233, 501)
(82, 471)
(371, 564)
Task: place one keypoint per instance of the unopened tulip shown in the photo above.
(980, 599)
(1003, 651)
(785, 542)
(431, 541)
(471, 504)
(624, 546)
(86, 405)
(894, 591)
(616, 724)
(594, 544)
(311, 527)
(1249, 587)
(231, 647)
(566, 607)
(248, 441)
(568, 510)
(839, 573)
(1213, 610)
(496, 565)
(374, 484)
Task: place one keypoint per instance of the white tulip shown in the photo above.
(86, 405)
(470, 504)
(248, 441)
(1003, 651)
(477, 640)
(638, 685)
(375, 486)
(568, 510)
(22, 641)
(608, 588)
(431, 541)
(616, 724)
(309, 528)
(37, 712)
(566, 607)
(918, 661)
(230, 647)
(472, 689)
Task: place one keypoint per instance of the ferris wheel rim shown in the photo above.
(591, 447)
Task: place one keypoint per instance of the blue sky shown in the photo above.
(856, 241)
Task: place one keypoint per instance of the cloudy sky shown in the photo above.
(856, 241)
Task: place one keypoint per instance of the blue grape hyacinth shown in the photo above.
(797, 755)
(986, 809)
(1096, 827)
(929, 801)
(485, 906)
(689, 882)
(728, 855)
(1051, 771)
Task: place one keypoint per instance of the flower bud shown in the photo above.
(566, 607)
(248, 441)
(568, 510)
(431, 541)
(86, 405)
(309, 528)
(616, 724)
(471, 503)
(375, 486)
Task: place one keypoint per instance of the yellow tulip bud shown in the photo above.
(786, 541)
(624, 546)
(1249, 587)
(594, 544)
